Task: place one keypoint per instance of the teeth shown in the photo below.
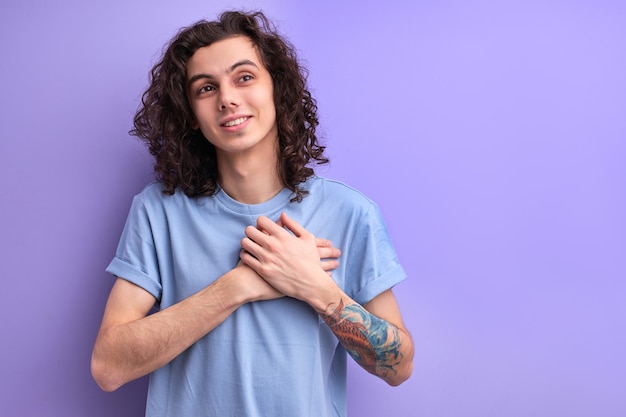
(235, 122)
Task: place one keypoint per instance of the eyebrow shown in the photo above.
(229, 70)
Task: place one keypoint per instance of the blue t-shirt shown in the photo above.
(269, 358)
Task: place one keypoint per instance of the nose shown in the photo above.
(228, 97)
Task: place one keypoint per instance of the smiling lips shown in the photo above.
(235, 122)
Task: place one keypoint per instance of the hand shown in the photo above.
(254, 286)
(328, 255)
(290, 262)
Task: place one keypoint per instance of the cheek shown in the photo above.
(272, 112)
(202, 116)
(265, 98)
(270, 107)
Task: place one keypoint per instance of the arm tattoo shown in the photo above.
(372, 342)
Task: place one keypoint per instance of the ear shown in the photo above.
(194, 123)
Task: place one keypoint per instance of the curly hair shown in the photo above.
(183, 156)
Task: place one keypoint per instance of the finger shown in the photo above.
(322, 243)
(250, 260)
(280, 222)
(326, 249)
(243, 252)
(251, 247)
(329, 252)
(329, 265)
(293, 225)
(257, 236)
(266, 225)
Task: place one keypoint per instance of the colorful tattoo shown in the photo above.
(372, 342)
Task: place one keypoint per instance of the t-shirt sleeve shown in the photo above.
(373, 265)
(136, 259)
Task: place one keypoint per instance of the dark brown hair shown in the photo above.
(184, 157)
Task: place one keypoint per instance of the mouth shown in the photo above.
(235, 122)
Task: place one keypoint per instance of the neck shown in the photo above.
(249, 180)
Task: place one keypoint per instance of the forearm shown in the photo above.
(380, 347)
(127, 351)
(290, 263)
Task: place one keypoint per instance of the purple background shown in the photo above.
(491, 133)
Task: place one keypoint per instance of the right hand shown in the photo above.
(328, 253)
(262, 290)
(257, 288)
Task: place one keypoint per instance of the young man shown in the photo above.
(255, 314)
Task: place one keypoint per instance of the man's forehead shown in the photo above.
(225, 53)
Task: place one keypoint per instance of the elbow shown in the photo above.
(400, 377)
(404, 371)
(103, 377)
(405, 368)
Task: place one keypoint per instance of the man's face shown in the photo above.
(231, 95)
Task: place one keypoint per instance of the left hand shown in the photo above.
(290, 262)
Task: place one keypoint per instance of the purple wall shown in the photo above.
(493, 137)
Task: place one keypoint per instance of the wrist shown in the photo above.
(326, 299)
(231, 289)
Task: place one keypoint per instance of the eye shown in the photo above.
(206, 89)
(246, 77)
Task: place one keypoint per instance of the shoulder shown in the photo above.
(152, 191)
(337, 191)
(149, 196)
(152, 199)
